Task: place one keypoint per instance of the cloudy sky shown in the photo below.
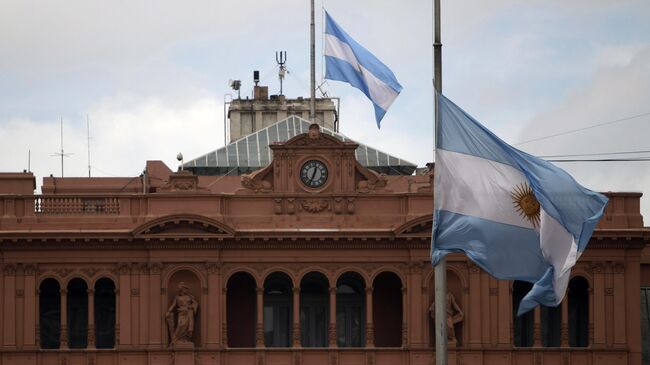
(152, 75)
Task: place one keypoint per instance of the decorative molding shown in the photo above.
(123, 268)
(63, 272)
(20, 293)
(619, 267)
(155, 268)
(494, 291)
(473, 268)
(609, 291)
(30, 269)
(314, 205)
(90, 271)
(135, 292)
(10, 269)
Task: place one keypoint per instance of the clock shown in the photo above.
(313, 173)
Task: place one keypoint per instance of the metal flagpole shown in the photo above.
(440, 271)
(312, 58)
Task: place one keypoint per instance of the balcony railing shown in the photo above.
(76, 205)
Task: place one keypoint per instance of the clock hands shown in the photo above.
(313, 174)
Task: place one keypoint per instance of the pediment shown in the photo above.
(420, 226)
(183, 225)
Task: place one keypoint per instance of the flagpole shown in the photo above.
(312, 59)
(440, 270)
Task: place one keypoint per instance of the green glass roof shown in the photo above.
(252, 152)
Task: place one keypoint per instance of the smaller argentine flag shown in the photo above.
(346, 60)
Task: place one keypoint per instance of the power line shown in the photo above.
(583, 128)
(596, 154)
(640, 159)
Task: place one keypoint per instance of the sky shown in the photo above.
(151, 77)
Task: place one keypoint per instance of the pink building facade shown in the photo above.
(284, 269)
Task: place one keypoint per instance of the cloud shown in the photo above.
(618, 89)
(126, 130)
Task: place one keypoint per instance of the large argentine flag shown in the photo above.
(516, 216)
(346, 60)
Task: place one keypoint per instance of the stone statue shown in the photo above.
(181, 326)
(454, 316)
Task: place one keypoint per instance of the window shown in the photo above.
(350, 310)
(645, 325)
(523, 326)
(240, 310)
(551, 318)
(105, 313)
(578, 312)
(277, 310)
(387, 310)
(77, 314)
(49, 314)
(314, 310)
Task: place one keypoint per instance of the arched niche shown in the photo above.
(191, 280)
(314, 309)
(578, 297)
(387, 309)
(104, 313)
(77, 313)
(278, 309)
(350, 310)
(455, 287)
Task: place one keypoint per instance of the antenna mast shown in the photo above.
(281, 59)
(88, 134)
(61, 154)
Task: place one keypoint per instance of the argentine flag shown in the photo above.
(346, 60)
(516, 216)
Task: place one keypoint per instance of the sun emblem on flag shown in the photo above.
(526, 203)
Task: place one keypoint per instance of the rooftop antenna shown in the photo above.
(61, 154)
(88, 133)
(281, 59)
(29, 160)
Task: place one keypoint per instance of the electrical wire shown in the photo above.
(595, 154)
(583, 128)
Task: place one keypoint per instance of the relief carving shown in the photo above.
(258, 186)
(314, 205)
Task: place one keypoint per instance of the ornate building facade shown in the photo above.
(314, 259)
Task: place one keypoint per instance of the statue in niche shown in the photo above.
(454, 315)
(181, 326)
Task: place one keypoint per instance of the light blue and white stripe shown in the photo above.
(475, 176)
(346, 60)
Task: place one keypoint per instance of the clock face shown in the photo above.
(313, 173)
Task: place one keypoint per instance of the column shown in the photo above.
(332, 325)
(619, 304)
(91, 318)
(473, 313)
(155, 310)
(564, 329)
(31, 306)
(405, 329)
(537, 328)
(370, 330)
(64, 319)
(123, 335)
(224, 317)
(599, 304)
(259, 326)
(295, 330)
(213, 307)
(9, 328)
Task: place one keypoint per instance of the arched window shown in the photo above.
(240, 310)
(314, 310)
(277, 310)
(49, 314)
(105, 313)
(551, 318)
(578, 312)
(523, 326)
(387, 310)
(77, 314)
(350, 310)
